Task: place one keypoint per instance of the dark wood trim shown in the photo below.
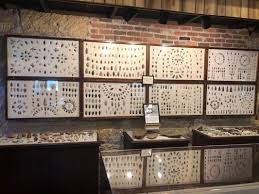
(186, 46)
(81, 82)
(112, 80)
(29, 78)
(206, 63)
(5, 57)
(231, 82)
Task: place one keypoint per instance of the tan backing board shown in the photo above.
(177, 63)
(177, 99)
(42, 57)
(230, 99)
(113, 99)
(232, 65)
(109, 60)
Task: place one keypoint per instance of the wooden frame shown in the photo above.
(81, 79)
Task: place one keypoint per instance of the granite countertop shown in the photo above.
(47, 138)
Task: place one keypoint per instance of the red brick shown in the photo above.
(126, 27)
(231, 41)
(156, 30)
(94, 31)
(220, 40)
(226, 36)
(227, 45)
(95, 36)
(151, 40)
(172, 37)
(215, 35)
(138, 28)
(196, 39)
(160, 36)
(215, 44)
(112, 37)
(138, 39)
(105, 31)
(192, 34)
(191, 43)
(98, 25)
(209, 40)
(180, 33)
(112, 26)
(133, 33)
(119, 32)
(185, 27)
(204, 44)
(146, 34)
(167, 42)
(199, 29)
(204, 34)
(126, 38)
(180, 43)
(221, 30)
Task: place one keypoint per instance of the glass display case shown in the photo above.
(165, 169)
(223, 135)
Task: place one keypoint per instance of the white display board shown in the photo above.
(228, 165)
(113, 99)
(232, 65)
(173, 168)
(230, 99)
(42, 99)
(177, 63)
(109, 60)
(124, 171)
(42, 57)
(177, 99)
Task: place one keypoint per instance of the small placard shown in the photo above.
(151, 112)
(148, 80)
(146, 153)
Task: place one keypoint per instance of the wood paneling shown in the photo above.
(236, 8)
(228, 7)
(200, 6)
(244, 8)
(153, 4)
(231, 8)
(172, 5)
(211, 7)
(140, 3)
(189, 6)
(251, 11)
(221, 9)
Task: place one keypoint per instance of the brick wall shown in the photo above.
(149, 31)
(137, 31)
